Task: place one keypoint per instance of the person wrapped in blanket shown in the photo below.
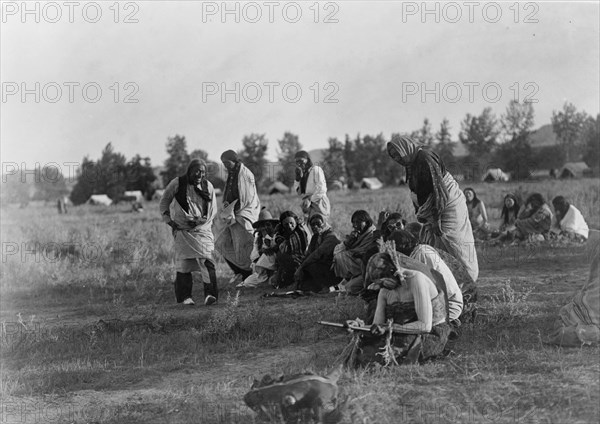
(348, 255)
(311, 186)
(578, 322)
(290, 246)
(568, 221)
(315, 273)
(412, 302)
(534, 220)
(241, 207)
(189, 206)
(440, 205)
(263, 254)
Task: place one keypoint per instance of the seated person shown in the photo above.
(477, 214)
(568, 220)
(407, 244)
(348, 255)
(290, 245)
(535, 218)
(578, 321)
(387, 223)
(315, 273)
(510, 212)
(263, 254)
(414, 299)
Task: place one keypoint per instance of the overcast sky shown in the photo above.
(374, 61)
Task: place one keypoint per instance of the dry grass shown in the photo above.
(90, 332)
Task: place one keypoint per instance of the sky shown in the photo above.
(136, 73)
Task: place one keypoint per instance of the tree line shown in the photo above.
(503, 142)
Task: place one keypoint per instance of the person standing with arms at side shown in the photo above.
(310, 184)
(189, 206)
(241, 207)
(440, 204)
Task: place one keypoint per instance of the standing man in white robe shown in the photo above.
(188, 206)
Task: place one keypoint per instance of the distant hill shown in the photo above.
(544, 136)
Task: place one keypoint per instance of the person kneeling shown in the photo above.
(412, 304)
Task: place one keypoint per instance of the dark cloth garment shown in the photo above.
(317, 276)
(183, 286)
(421, 175)
(184, 282)
(316, 268)
(181, 194)
(305, 171)
(407, 348)
(320, 248)
(231, 192)
(304, 179)
(290, 253)
(237, 270)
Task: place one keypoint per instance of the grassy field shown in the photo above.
(91, 333)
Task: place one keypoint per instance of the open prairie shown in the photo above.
(91, 333)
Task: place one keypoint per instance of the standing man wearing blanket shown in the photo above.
(241, 207)
(440, 205)
(188, 206)
(310, 184)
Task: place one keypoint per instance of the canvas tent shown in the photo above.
(574, 170)
(494, 174)
(278, 188)
(99, 199)
(371, 183)
(135, 195)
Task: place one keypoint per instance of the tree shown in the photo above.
(289, 145)
(479, 133)
(549, 157)
(107, 176)
(49, 184)
(334, 163)
(568, 126)
(140, 176)
(199, 154)
(111, 176)
(424, 135)
(444, 147)
(253, 155)
(84, 186)
(516, 155)
(176, 163)
(518, 121)
(591, 140)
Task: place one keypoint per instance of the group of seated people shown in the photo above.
(435, 286)
(413, 290)
(533, 220)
